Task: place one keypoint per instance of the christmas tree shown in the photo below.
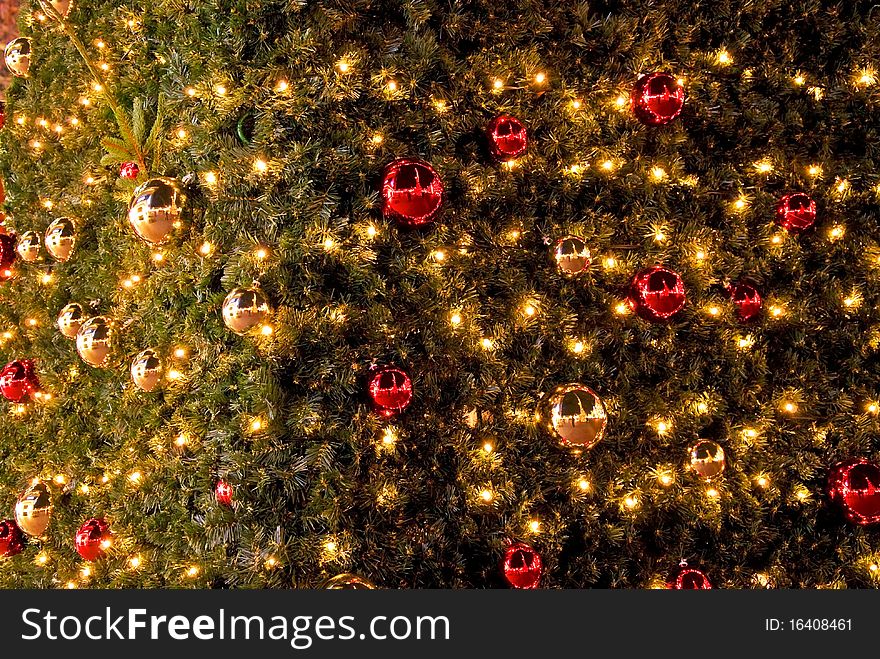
(440, 294)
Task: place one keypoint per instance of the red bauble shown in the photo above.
(11, 538)
(129, 170)
(657, 99)
(854, 485)
(746, 299)
(18, 380)
(7, 255)
(223, 493)
(657, 293)
(796, 212)
(2, 114)
(522, 567)
(688, 578)
(412, 192)
(508, 138)
(93, 539)
(390, 390)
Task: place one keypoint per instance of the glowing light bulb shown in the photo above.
(799, 80)
(529, 310)
(583, 485)
(211, 178)
(487, 343)
(577, 347)
(389, 437)
(540, 78)
(487, 496)
(192, 571)
(723, 57)
(372, 231)
(814, 170)
(181, 133)
(220, 90)
(261, 166)
(282, 86)
(266, 330)
(789, 407)
(42, 559)
(498, 83)
(261, 253)
(377, 139)
(181, 440)
(607, 165)
(391, 85)
(534, 526)
(658, 173)
(135, 477)
(190, 91)
(134, 562)
(439, 255)
(455, 319)
(631, 501)
(576, 104)
(343, 66)
(764, 166)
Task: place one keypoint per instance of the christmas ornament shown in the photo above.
(155, 208)
(746, 299)
(11, 539)
(572, 255)
(7, 255)
(390, 390)
(688, 578)
(245, 308)
(61, 238)
(796, 212)
(412, 192)
(508, 138)
(576, 416)
(28, 246)
(18, 56)
(2, 114)
(70, 319)
(146, 370)
(223, 493)
(93, 539)
(61, 6)
(657, 99)
(707, 458)
(348, 581)
(656, 293)
(521, 566)
(129, 170)
(854, 485)
(33, 511)
(95, 340)
(18, 380)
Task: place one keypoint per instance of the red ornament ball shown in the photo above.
(657, 99)
(11, 538)
(2, 114)
(522, 566)
(796, 212)
(657, 293)
(93, 539)
(412, 192)
(7, 255)
(390, 390)
(508, 138)
(223, 493)
(854, 485)
(18, 380)
(129, 170)
(746, 299)
(688, 578)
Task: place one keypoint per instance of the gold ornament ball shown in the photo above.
(70, 319)
(576, 416)
(33, 510)
(146, 370)
(61, 238)
(18, 56)
(94, 340)
(244, 309)
(155, 208)
(572, 255)
(28, 246)
(707, 458)
(347, 581)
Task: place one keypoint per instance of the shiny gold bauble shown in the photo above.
(244, 309)
(33, 511)
(18, 56)
(146, 370)
(28, 246)
(70, 319)
(347, 581)
(94, 340)
(156, 208)
(61, 238)
(572, 255)
(707, 458)
(575, 416)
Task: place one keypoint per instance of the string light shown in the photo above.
(455, 319)
(439, 255)
(41, 559)
(266, 330)
(192, 571)
(391, 85)
(621, 102)
(583, 485)
(181, 440)
(389, 437)
(540, 78)
(723, 57)
(487, 495)
(487, 343)
(814, 170)
(867, 77)
(836, 232)
(256, 424)
(764, 166)
(497, 84)
(261, 253)
(658, 173)
(135, 477)
(799, 80)
(377, 139)
(631, 501)
(261, 166)
(220, 90)
(534, 526)
(190, 91)
(211, 178)
(621, 308)
(789, 407)
(343, 66)
(135, 562)
(576, 104)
